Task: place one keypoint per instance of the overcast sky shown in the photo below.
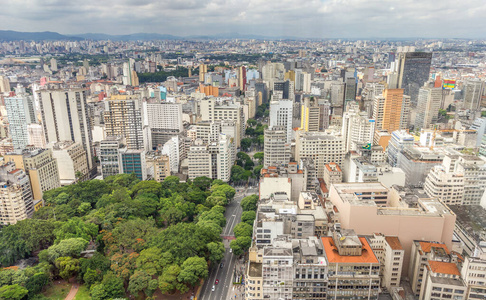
(303, 18)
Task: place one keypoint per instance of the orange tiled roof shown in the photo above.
(444, 267)
(427, 246)
(322, 185)
(333, 256)
(394, 242)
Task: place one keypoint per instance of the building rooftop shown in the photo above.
(427, 246)
(394, 242)
(444, 268)
(255, 269)
(447, 281)
(367, 255)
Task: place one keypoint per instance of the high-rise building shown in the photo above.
(349, 90)
(164, 120)
(65, 117)
(199, 160)
(20, 113)
(133, 161)
(322, 147)
(472, 94)
(276, 149)
(391, 111)
(281, 115)
(310, 115)
(357, 129)
(400, 139)
(324, 114)
(71, 159)
(53, 64)
(428, 105)
(36, 135)
(41, 167)
(16, 193)
(286, 87)
(109, 157)
(242, 78)
(413, 72)
(160, 164)
(203, 69)
(447, 186)
(123, 117)
(4, 84)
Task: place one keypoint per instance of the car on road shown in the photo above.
(212, 290)
(231, 250)
(221, 265)
(216, 282)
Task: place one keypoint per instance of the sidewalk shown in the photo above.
(72, 292)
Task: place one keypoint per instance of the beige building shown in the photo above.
(271, 185)
(310, 115)
(41, 167)
(276, 149)
(474, 273)
(16, 200)
(448, 187)
(36, 135)
(199, 159)
(159, 165)
(72, 162)
(371, 207)
(354, 270)
(322, 147)
(389, 252)
(391, 110)
(332, 174)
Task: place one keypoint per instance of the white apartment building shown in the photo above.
(276, 149)
(281, 115)
(428, 105)
(449, 187)
(71, 161)
(357, 129)
(20, 113)
(322, 147)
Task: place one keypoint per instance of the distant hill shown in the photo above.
(10, 35)
(128, 37)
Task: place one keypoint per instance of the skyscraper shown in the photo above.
(391, 110)
(276, 149)
(428, 105)
(472, 94)
(65, 118)
(123, 117)
(281, 115)
(20, 112)
(310, 115)
(413, 72)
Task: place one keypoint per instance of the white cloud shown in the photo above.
(313, 18)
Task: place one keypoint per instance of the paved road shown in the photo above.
(225, 274)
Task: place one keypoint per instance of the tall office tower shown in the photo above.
(281, 115)
(212, 110)
(172, 148)
(164, 120)
(413, 72)
(286, 87)
(132, 161)
(110, 161)
(65, 117)
(242, 78)
(224, 156)
(480, 126)
(322, 147)
(337, 93)
(273, 71)
(276, 149)
(357, 129)
(428, 106)
(472, 94)
(324, 114)
(20, 113)
(400, 140)
(123, 117)
(71, 159)
(4, 84)
(36, 135)
(53, 64)
(349, 90)
(16, 195)
(129, 74)
(203, 69)
(261, 91)
(310, 115)
(391, 111)
(474, 170)
(41, 167)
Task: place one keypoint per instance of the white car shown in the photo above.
(212, 290)
(231, 250)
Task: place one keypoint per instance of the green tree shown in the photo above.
(243, 229)
(74, 228)
(36, 283)
(68, 266)
(259, 156)
(113, 285)
(202, 183)
(236, 248)
(168, 280)
(98, 292)
(216, 251)
(214, 216)
(130, 235)
(150, 261)
(147, 186)
(244, 242)
(140, 281)
(70, 247)
(193, 269)
(248, 217)
(249, 203)
(228, 191)
(13, 292)
(246, 143)
(91, 277)
(251, 122)
(257, 170)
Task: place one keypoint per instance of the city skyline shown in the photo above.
(312, 19)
